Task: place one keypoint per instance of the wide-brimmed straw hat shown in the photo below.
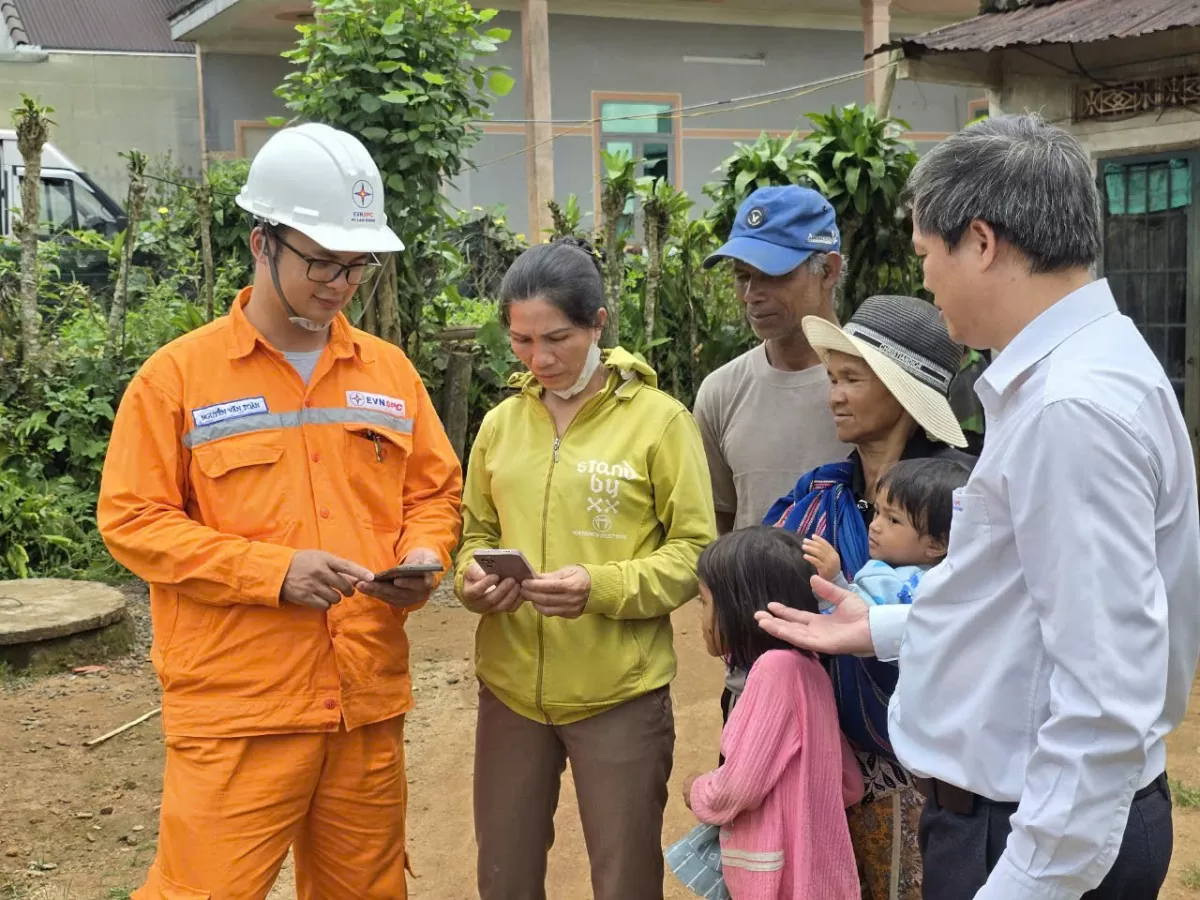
(906, 344)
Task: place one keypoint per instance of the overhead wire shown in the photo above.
(705, 109)
(696, 110)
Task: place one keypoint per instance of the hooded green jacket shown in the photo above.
(624, 492)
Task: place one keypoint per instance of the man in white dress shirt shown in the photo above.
(1043, 664)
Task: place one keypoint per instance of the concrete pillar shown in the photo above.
(876, 33)
(539, 161)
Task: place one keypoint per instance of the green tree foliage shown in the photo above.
(861, 164)
(406, 77)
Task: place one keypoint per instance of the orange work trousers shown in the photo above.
(233, 806)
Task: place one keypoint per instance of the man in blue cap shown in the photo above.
(784, 247)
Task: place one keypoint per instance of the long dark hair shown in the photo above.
(744, 571)
(565, 273)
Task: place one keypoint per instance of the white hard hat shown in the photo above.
(323, 183)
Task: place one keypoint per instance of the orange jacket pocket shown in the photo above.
(376, 460)
(241, 487)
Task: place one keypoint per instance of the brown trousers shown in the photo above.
(620, 760)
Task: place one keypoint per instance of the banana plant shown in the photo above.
(616, 187)
(662, 206)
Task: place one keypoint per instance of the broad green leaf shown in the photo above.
(276, 121)
(840, 157)
(434, 77)
(374, 133)
(398, 183)
(397, 97)
(486, 15)
(388, 66)
(501, 83)
(369, 102)
(743, 181)
(500, 35)
(860, 199)
(819, 183)
(852, 177)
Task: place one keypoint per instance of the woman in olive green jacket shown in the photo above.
(600, 479)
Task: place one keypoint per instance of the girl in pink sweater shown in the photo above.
(780, 796)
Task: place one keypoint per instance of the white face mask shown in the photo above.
(306, 324)
(590, 364)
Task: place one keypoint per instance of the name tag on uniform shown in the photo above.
(381, 402)
(957, 500)
(232, 409)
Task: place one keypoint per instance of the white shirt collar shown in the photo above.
(1043, 335)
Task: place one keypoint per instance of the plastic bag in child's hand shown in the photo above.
(696, 861)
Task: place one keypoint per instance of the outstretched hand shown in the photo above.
(846, 629)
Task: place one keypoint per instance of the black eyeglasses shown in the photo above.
(324, 271)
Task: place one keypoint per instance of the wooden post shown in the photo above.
(456, 389)
(876, 30)
(883, 106)
(458, 395)
(204, 196)
(539, 160)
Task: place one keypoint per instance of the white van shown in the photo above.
(70, 199)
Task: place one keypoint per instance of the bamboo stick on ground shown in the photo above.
(112, 734)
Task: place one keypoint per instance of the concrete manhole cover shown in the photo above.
(40, 609)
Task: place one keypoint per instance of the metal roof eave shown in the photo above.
(193, 15)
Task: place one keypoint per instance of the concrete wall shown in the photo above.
(633, 56)
(239, 87)
(623, 56)
(105, 104)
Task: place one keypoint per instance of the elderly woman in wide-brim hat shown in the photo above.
(890, 370)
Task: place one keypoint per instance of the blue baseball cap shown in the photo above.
(778, 228)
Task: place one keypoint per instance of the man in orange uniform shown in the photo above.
(261, 469)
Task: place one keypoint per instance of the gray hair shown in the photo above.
(1030, 181)
(816, 266)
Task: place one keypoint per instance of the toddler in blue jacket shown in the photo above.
(908, 534)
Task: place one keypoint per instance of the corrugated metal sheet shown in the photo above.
(127, 25)
(1064, 22)
(12, 21)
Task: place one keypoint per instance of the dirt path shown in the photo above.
(80, 825)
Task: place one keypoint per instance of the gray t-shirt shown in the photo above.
(763, 429)
(304, 362)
